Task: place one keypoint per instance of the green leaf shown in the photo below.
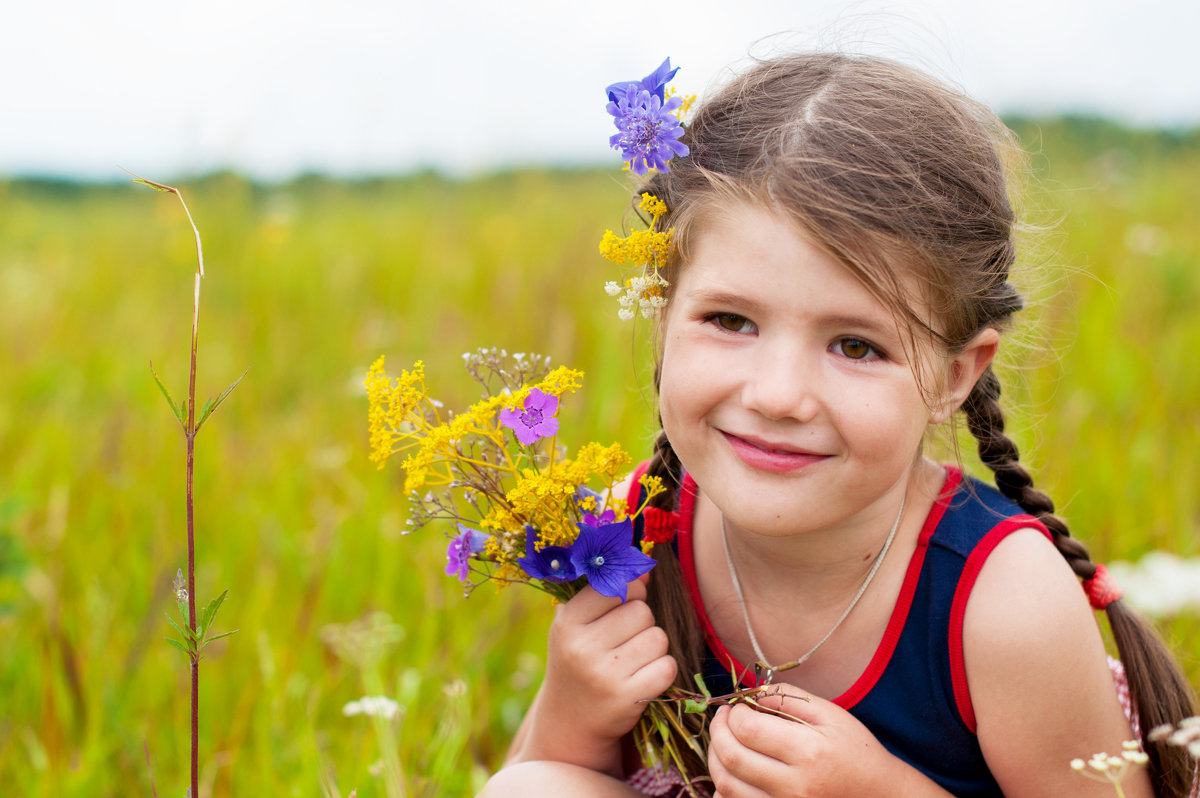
(703, 687)
(218, 637)
(147, 183)
(210, 612)
(166, 395)
(695, 706)
(694, 744)
(664, 732)
(211, 405)
(187, 633)
(205, 412)
(178, 645)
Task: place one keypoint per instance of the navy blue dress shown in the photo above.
(913, 696)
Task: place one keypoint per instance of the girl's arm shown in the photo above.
(1039, 681)
(604, 657)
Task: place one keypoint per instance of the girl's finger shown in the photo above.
(637, 588)
(744, 768)
(655, 676)
(728, 784)
(646, 644)
(791, 701)
(586, 606)
(777, 741)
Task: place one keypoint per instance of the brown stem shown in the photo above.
(191, 532)
(190, 433)
(191, 544)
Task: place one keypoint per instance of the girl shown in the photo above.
(838, 284)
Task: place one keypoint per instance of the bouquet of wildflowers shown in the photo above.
(519, 509)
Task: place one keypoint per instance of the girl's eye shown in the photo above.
(855, 348)
(731, 322)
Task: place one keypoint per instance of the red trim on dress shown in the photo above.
(891, 636)
(958, 608)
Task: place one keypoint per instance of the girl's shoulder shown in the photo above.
(1038, 677)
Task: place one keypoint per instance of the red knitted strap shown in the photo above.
(1101, 590)
(660, 525)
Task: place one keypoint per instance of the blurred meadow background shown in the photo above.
(308, 281)
(276, 118)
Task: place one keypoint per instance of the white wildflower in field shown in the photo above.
(1160, 584)
(375, 706)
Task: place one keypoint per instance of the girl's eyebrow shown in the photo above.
(870, 325)
(727, 298)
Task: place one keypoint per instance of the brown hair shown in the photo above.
(890, 172)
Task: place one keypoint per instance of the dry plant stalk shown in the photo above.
(197, 634)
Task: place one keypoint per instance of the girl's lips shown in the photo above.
(765, 458)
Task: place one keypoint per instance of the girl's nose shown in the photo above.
(782, 385)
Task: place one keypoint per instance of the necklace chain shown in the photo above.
(737, 588)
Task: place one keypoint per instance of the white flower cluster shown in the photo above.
(375, 706)
(1160, 584)
(646, 293)
(1185, 734)
(1112, 769)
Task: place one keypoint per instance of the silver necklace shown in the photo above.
(762, 663)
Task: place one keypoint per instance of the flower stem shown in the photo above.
(191, 531)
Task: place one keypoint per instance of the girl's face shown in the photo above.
(786, 390)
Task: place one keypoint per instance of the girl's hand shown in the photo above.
(754, 754)
(604, 657)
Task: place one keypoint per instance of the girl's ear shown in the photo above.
(965, 370)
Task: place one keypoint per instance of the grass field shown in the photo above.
(307, 283)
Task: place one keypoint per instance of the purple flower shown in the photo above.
(655, 83)
(606, 517)
(605, 554)
(458, 553)
(649, 131)
(536, 421)
(550, 563)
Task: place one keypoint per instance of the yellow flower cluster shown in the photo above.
(401, 415)
(395, 407)
(649, 248)
(559, 381)
(687, 101)
(546, 499)
(471, 459)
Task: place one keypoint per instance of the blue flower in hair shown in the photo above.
(655, 83)
(649, 130)
(648, 125)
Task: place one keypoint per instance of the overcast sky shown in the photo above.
(276, 87)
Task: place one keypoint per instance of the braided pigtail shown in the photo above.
(668, 597)
(1159, 691)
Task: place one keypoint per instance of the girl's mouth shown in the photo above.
(765, 457)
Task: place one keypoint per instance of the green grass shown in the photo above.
(307, 284)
